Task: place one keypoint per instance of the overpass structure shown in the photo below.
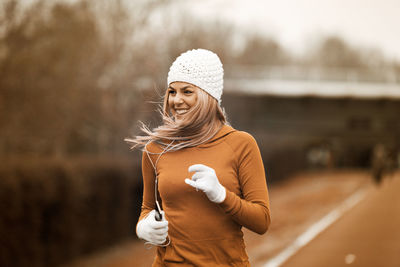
(297, 81)
(314, 88)
(302, 120)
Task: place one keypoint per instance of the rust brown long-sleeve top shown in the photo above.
(203, 233)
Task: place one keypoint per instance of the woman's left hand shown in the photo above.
(207, 181)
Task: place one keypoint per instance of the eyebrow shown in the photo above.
(182, 88)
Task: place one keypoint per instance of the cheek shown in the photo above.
(193, 100)
(170, 104)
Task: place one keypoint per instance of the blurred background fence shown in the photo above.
(76, 76)
(53, 210)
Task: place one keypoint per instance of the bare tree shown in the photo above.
(259, 50)
(64, 78)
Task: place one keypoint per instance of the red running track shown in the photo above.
(368, 235)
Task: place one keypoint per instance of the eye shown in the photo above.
(188, 92)
(171, 92)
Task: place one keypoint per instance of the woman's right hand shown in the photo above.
(155, 232)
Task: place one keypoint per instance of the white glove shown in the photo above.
(206, 180)
(154, 232)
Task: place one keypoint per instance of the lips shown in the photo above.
(181, 111)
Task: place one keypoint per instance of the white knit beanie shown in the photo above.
(199, 67)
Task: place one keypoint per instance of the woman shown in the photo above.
(209, 177)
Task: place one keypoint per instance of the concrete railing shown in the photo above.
(319, 88)
(381, 75)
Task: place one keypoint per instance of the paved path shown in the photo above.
(296, 204)
(368, 235)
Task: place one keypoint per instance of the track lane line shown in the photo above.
(316, 229)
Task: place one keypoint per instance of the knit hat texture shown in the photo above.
(199, 67)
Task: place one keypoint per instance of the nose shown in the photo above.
(178, 99)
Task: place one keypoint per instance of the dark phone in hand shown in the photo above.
(158, 215)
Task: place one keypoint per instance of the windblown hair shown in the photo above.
(198, 126)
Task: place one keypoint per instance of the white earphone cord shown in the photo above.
(156, 185)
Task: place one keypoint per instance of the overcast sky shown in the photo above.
(364, 23)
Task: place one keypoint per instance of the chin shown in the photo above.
(179, 118)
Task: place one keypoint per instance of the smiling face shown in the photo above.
(181, 98)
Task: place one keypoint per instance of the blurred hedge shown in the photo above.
(53, 210)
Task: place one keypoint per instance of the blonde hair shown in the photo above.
(198, 126)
